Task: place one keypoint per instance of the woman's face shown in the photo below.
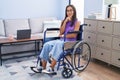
(70, 11)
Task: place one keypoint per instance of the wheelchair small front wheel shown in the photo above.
(67, 73)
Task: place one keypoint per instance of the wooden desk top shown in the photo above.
(7, 40)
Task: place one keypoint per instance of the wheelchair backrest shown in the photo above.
(80, 35)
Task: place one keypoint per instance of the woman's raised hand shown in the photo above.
(68, 19)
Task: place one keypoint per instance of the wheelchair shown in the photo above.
(75, 57)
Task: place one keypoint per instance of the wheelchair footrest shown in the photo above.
(34, 69)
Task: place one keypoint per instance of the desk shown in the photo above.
(12, 41)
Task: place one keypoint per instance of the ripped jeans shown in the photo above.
(52, 48)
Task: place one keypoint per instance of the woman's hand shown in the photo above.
(62, 28)
(61, 36)
(68, 19)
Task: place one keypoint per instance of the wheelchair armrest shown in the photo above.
(71, 32)
(49, 39)
(83, 24)
(74, 32)
(52, 29)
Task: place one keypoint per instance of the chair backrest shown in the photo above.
(80, 35)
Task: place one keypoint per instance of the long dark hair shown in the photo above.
(73, 17)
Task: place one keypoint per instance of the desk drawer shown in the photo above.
(116, 43)
(115, 58)
(103, 54)
(116, 30)
(91, 25)
(90, 37)
(103, 40)
(105, 27)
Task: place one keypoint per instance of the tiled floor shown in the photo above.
(19, 69)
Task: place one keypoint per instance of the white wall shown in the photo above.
(118, 11)
(92, 6)
(10, 9)
(79, 5)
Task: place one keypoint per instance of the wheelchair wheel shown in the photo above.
(81, 56)
(67, 73)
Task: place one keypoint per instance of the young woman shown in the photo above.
(55, 47)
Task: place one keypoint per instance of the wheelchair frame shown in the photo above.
(77, 47)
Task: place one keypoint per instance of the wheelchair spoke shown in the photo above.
(81, 56)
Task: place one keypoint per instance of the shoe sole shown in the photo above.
(50, 73)
(35, 70)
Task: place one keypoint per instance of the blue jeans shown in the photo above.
(52, 48)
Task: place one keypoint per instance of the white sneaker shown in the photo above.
(49, 70)
(36, 69)
(40, 68)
